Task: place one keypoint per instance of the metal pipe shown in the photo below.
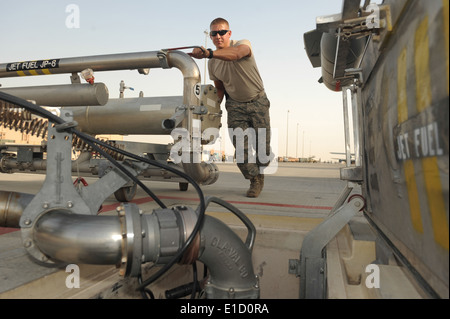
(63, 95)
(12, 205)
(87, 169)
(229, 261)
(142, 115)
(76, 238)
(174, 120)
(109, 62)
(356, 117)
(192, 78)
(346, 125)
(203, 173)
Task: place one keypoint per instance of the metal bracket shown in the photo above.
(201, 109)
(144, 71)
(311, 266)
(370, 22)
(356, 117)
(57, 192)
(75, 78)
(65, 126)
(357, 74)
(162, 57)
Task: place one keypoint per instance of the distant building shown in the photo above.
(8, 136)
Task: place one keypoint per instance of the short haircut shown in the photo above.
(219, 21)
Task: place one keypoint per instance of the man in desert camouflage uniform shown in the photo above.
(233, 69)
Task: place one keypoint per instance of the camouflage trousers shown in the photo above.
(254, 119)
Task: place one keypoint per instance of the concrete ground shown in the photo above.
(295, 199)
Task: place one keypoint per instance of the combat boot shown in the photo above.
(256, 186)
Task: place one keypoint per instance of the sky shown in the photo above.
(306, 116)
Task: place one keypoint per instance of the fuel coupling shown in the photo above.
(158, 237)
(155, 237)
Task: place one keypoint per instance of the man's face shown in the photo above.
(221, 41)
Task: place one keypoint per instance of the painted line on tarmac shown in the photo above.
(143, 200)
(111, 207)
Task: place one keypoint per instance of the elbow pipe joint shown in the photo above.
(203, 173)
(229, 261)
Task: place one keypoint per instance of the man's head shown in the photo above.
(220, 33)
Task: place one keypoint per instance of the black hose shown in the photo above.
(195, 284)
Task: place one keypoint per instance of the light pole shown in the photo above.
(303, 145)
(287, 133)
(296, 146)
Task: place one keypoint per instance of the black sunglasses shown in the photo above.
(220, 32)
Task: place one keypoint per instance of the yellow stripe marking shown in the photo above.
(435, 201)
(421, 59)
(408, 167)
(430, 166)
(401, 87)
(33, 72)
(21, 73)
(46, 71)
(413, 196)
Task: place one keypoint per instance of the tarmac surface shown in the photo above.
(295, 189)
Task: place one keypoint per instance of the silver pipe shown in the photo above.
(39, 166)
(142, 115)
(62, 95)
(12, 205)
(109, 62)
(191, 74)
(124, 61)
(174, 120)
(203, 173)
(76, 238)
(346, 125)
(356, 99)
(86, 169)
